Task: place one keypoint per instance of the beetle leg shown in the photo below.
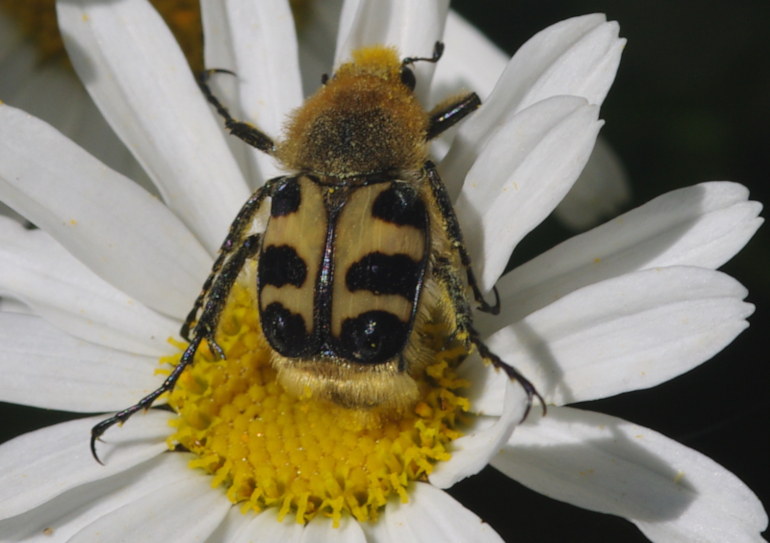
(205, 329)
(238, 231)
(452, 229)
(448, 114)
(445, 273)
(245, 131)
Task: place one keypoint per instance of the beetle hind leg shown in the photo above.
(213, 302)
(513, 373)
(445, 274)
(146, 402)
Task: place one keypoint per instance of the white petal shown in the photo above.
(430, 515)
(260, 528)
(577, 57)
(470, 61)
(267, 68)
(600, 191)
(105, 220)
(672, 493)
(43, 464)
(36, 269)
(11, 305)
(412, 27)
(627, 333)
(180, 511)
(70, 512)
(704, 226)
(481, 441)
(42, 94)
(218, 45)
(40, 89)
(487, 391)
(321, 530)
(516, 182)
(44, 367)
(317, 36)
(218, 53)
(139, 78)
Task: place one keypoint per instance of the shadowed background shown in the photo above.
(691, 103)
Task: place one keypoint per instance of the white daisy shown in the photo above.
(113, 271)
(34, 77)
(601, 190)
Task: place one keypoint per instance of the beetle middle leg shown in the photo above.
(237, 233)
(451, 228)
(445, 272)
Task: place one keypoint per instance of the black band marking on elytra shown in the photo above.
(286, 332)
(286, 198)
(385, 274)
(281, 265)
(400, 204)
(372, 338)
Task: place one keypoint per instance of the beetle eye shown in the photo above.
(324, 79)
(407, 77)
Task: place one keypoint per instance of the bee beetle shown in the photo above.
(361, 243)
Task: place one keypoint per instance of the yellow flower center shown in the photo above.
(305, 456)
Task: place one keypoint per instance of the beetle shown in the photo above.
(361, 245)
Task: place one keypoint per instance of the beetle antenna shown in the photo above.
(438, 50)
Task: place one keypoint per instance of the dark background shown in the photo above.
(690, 104)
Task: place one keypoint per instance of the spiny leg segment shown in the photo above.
(238, 231)
(452, 229)
(446, 275)
(238, 247)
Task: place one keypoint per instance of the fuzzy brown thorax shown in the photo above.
(363, 121)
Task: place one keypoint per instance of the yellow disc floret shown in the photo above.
(301, 455)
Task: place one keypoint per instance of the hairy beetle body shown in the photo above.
(362, 246)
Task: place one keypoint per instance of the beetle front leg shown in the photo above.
(447, 114)
(244, 131)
